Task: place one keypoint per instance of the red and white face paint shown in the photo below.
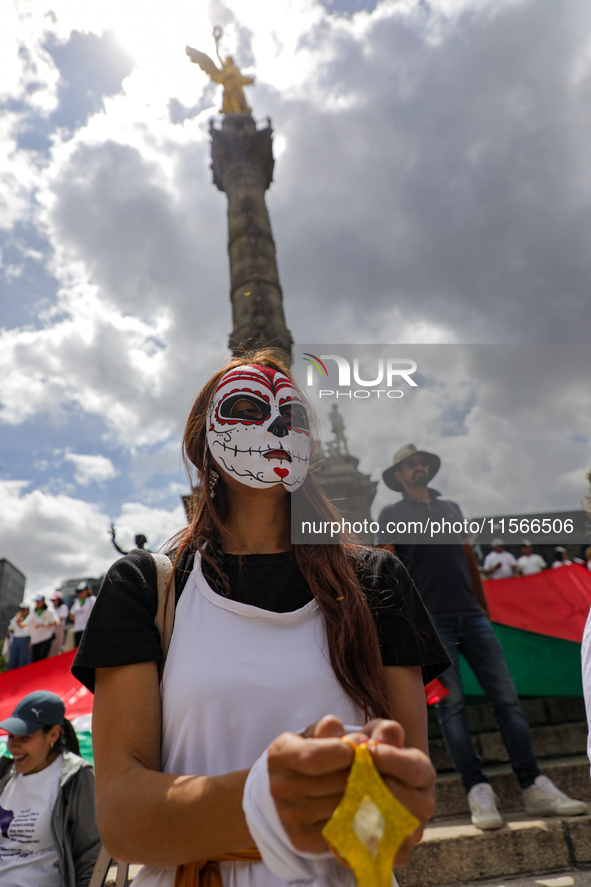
(258, 428)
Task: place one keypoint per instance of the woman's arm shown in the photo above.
(408, 703)
(144, 815)
(308, 776)
(295, 763)
(409, 708)
(161, 819)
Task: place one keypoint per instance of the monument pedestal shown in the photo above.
(350, 491)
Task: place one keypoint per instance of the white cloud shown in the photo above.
(433, 184)
(91, 469)
(51, 538)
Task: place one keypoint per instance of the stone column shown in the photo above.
(242, 165)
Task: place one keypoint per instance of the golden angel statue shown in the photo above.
(228, 75)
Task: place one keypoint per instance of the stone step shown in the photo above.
(570, 774)
(539, 711)
(579, 877)
(454, 852)
(549, 741)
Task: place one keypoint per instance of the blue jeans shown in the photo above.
(19, 653)
(474, 638)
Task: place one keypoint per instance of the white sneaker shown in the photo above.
(544, 799)
(483, 806)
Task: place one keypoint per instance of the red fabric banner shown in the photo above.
(554, 603)
(49, 674)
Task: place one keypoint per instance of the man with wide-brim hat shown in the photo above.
(444, 569)
(431, 462)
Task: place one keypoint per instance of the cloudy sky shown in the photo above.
(432, 185)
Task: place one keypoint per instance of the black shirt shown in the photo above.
(440, 572)
(121, 627)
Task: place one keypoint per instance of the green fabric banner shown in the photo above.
(540, 665)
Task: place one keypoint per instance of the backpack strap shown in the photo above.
(101, 870)
(165, 613)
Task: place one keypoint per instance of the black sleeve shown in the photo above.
(406, 632)
(121, 629)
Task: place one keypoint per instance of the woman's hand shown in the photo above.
(308, 774)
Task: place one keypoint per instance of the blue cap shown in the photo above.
(37, 710)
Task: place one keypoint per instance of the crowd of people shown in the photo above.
(233, 745)
(501, 564)
(37, 630)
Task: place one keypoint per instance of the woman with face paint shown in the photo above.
(277, 651)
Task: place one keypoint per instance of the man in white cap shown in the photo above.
(448, 580)
(499, 563)
(530, 563)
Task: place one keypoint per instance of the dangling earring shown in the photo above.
(213, 481)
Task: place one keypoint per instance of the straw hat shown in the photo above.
(433, 463)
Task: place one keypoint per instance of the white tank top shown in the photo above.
(237, 676)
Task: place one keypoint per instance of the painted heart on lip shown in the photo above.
(282, 472)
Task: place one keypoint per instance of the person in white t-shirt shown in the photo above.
(41, 624)
(241, 671)
(81, 610)
(498, 563)
(20, 646)
(561, 558)
(48, 833)
(530, 563)
(61, 611)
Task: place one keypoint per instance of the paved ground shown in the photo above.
(557, 879)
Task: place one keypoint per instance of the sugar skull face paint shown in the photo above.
(258, 428)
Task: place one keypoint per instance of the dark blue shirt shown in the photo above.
(440, 571)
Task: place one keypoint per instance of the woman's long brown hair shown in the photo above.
(328, 569)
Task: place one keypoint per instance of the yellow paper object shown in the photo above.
(370, 825)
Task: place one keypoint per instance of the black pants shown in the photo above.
(40, 651)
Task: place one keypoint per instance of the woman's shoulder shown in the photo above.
(136, 565)
(121, 628)
(377, 568)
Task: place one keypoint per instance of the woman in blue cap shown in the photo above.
(48, 833)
